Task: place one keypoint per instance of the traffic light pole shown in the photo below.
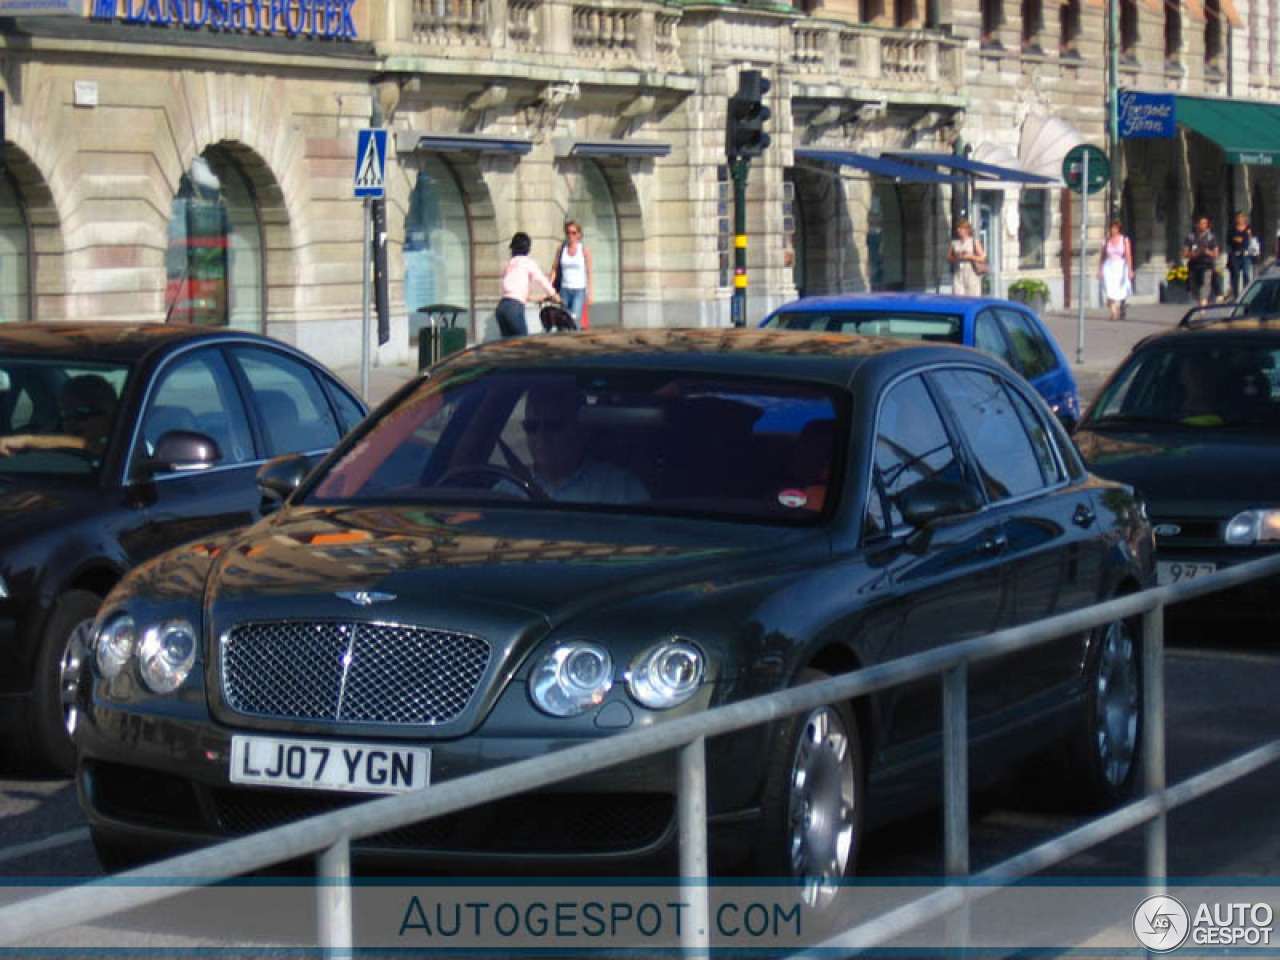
(739, 167)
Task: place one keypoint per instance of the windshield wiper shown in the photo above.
(1128, 420)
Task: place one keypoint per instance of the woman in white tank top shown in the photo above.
(571, 273)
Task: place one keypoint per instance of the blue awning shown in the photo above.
(569, 147)
(408, 141)
(975, 167)
(878, 166)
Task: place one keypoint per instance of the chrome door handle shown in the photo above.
(1084, 516)
(994, 543)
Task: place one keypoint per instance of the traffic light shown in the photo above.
(744, 132)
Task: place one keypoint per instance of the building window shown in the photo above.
(16, 303)
(871, 11)
(1033, 228)
(1213, 37)
(907, 14)
(886, 244)
(1129, 31)
(1172, 35)
(437, 244)
(1069, 28)
(213, 263)
(1032, 25)
(992, 19)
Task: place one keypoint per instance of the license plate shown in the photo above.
(1177, 571)
(327, 765)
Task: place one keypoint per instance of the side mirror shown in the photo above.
(932, 500)
(180, 451)
(280, 476)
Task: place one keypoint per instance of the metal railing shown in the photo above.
(329, 835)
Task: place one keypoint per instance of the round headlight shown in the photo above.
(114, 644)
(666, 675)
(571, 678)
(167, 654)
(1252, 526)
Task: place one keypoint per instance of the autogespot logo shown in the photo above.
(1161, 924)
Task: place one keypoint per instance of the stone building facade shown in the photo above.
(193, 160)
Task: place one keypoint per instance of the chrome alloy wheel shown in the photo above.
(1116, 707)
(69, 667)
(821, 806)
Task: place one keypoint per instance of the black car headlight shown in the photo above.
(114, 644)
(1253, 526)
(166, 655)
(666, 675)
(571, 678)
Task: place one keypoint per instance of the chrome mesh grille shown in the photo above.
(353, 672)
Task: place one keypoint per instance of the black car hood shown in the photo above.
(1190, 465)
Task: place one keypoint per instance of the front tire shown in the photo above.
(42, 739)
(813, 800)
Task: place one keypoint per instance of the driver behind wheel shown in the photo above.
(86, 404)
(558, 441)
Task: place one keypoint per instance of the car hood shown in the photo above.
(508, 577)
(1182, 467)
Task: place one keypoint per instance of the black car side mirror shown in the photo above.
(180, 451)
(934, 499)
(280, 476)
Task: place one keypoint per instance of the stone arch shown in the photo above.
(825, 229)
(46, 245)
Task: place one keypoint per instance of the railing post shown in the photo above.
(955, 791)
(1153, 759)
(333, 900)
(695, 936)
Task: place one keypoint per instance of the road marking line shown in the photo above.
(65, 839)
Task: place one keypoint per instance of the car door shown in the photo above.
(195, 391)
(1054, 552)
(947, 576)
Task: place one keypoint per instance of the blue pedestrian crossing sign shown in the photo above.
(371, 163)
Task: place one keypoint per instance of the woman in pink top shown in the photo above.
(520, 272)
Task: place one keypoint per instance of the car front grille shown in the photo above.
(350, 672)
(1192, 531)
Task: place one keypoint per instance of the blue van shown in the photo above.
(1001, 328)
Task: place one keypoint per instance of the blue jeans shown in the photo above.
(511, 318)
(574, 301)
(1241, 267)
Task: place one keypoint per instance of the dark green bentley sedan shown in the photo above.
(549, 540)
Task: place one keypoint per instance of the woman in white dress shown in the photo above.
(968, 261)
(1115, 269)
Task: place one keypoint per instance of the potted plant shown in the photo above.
(1032, 291)
(1175, 287)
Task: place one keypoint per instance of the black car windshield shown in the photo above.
(940, 327)
(1201, 385)
(649, 441)
(57, 415)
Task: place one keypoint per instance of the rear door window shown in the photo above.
(293, 411)
(1031, 348)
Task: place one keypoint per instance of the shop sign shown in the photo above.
(1148, 115)
(326, 19)
(41, 8)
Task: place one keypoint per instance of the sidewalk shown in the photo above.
(1105, 345)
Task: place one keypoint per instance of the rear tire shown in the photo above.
(812, 810)
(42, 739)
(1106, 751)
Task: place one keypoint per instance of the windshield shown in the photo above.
(56, 415)
(623, 440)
(1197, 385)
(941, 327)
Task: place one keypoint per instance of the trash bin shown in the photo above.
(442, 335)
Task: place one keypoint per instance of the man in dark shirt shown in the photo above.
(1200, 249)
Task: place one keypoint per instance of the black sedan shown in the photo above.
(117, 442)
(549, 540)
(1191, 419)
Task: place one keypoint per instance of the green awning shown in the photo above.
(1248, 133)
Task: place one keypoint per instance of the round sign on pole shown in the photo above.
(1073, 168)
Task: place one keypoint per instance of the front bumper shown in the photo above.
(1258, 599)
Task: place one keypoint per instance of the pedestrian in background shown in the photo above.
(571, 273)
(1200, 249)
(520, 273)
(1242, 247)
(1115, 269)
(968, 261)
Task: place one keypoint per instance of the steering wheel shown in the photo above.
(527, 485)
